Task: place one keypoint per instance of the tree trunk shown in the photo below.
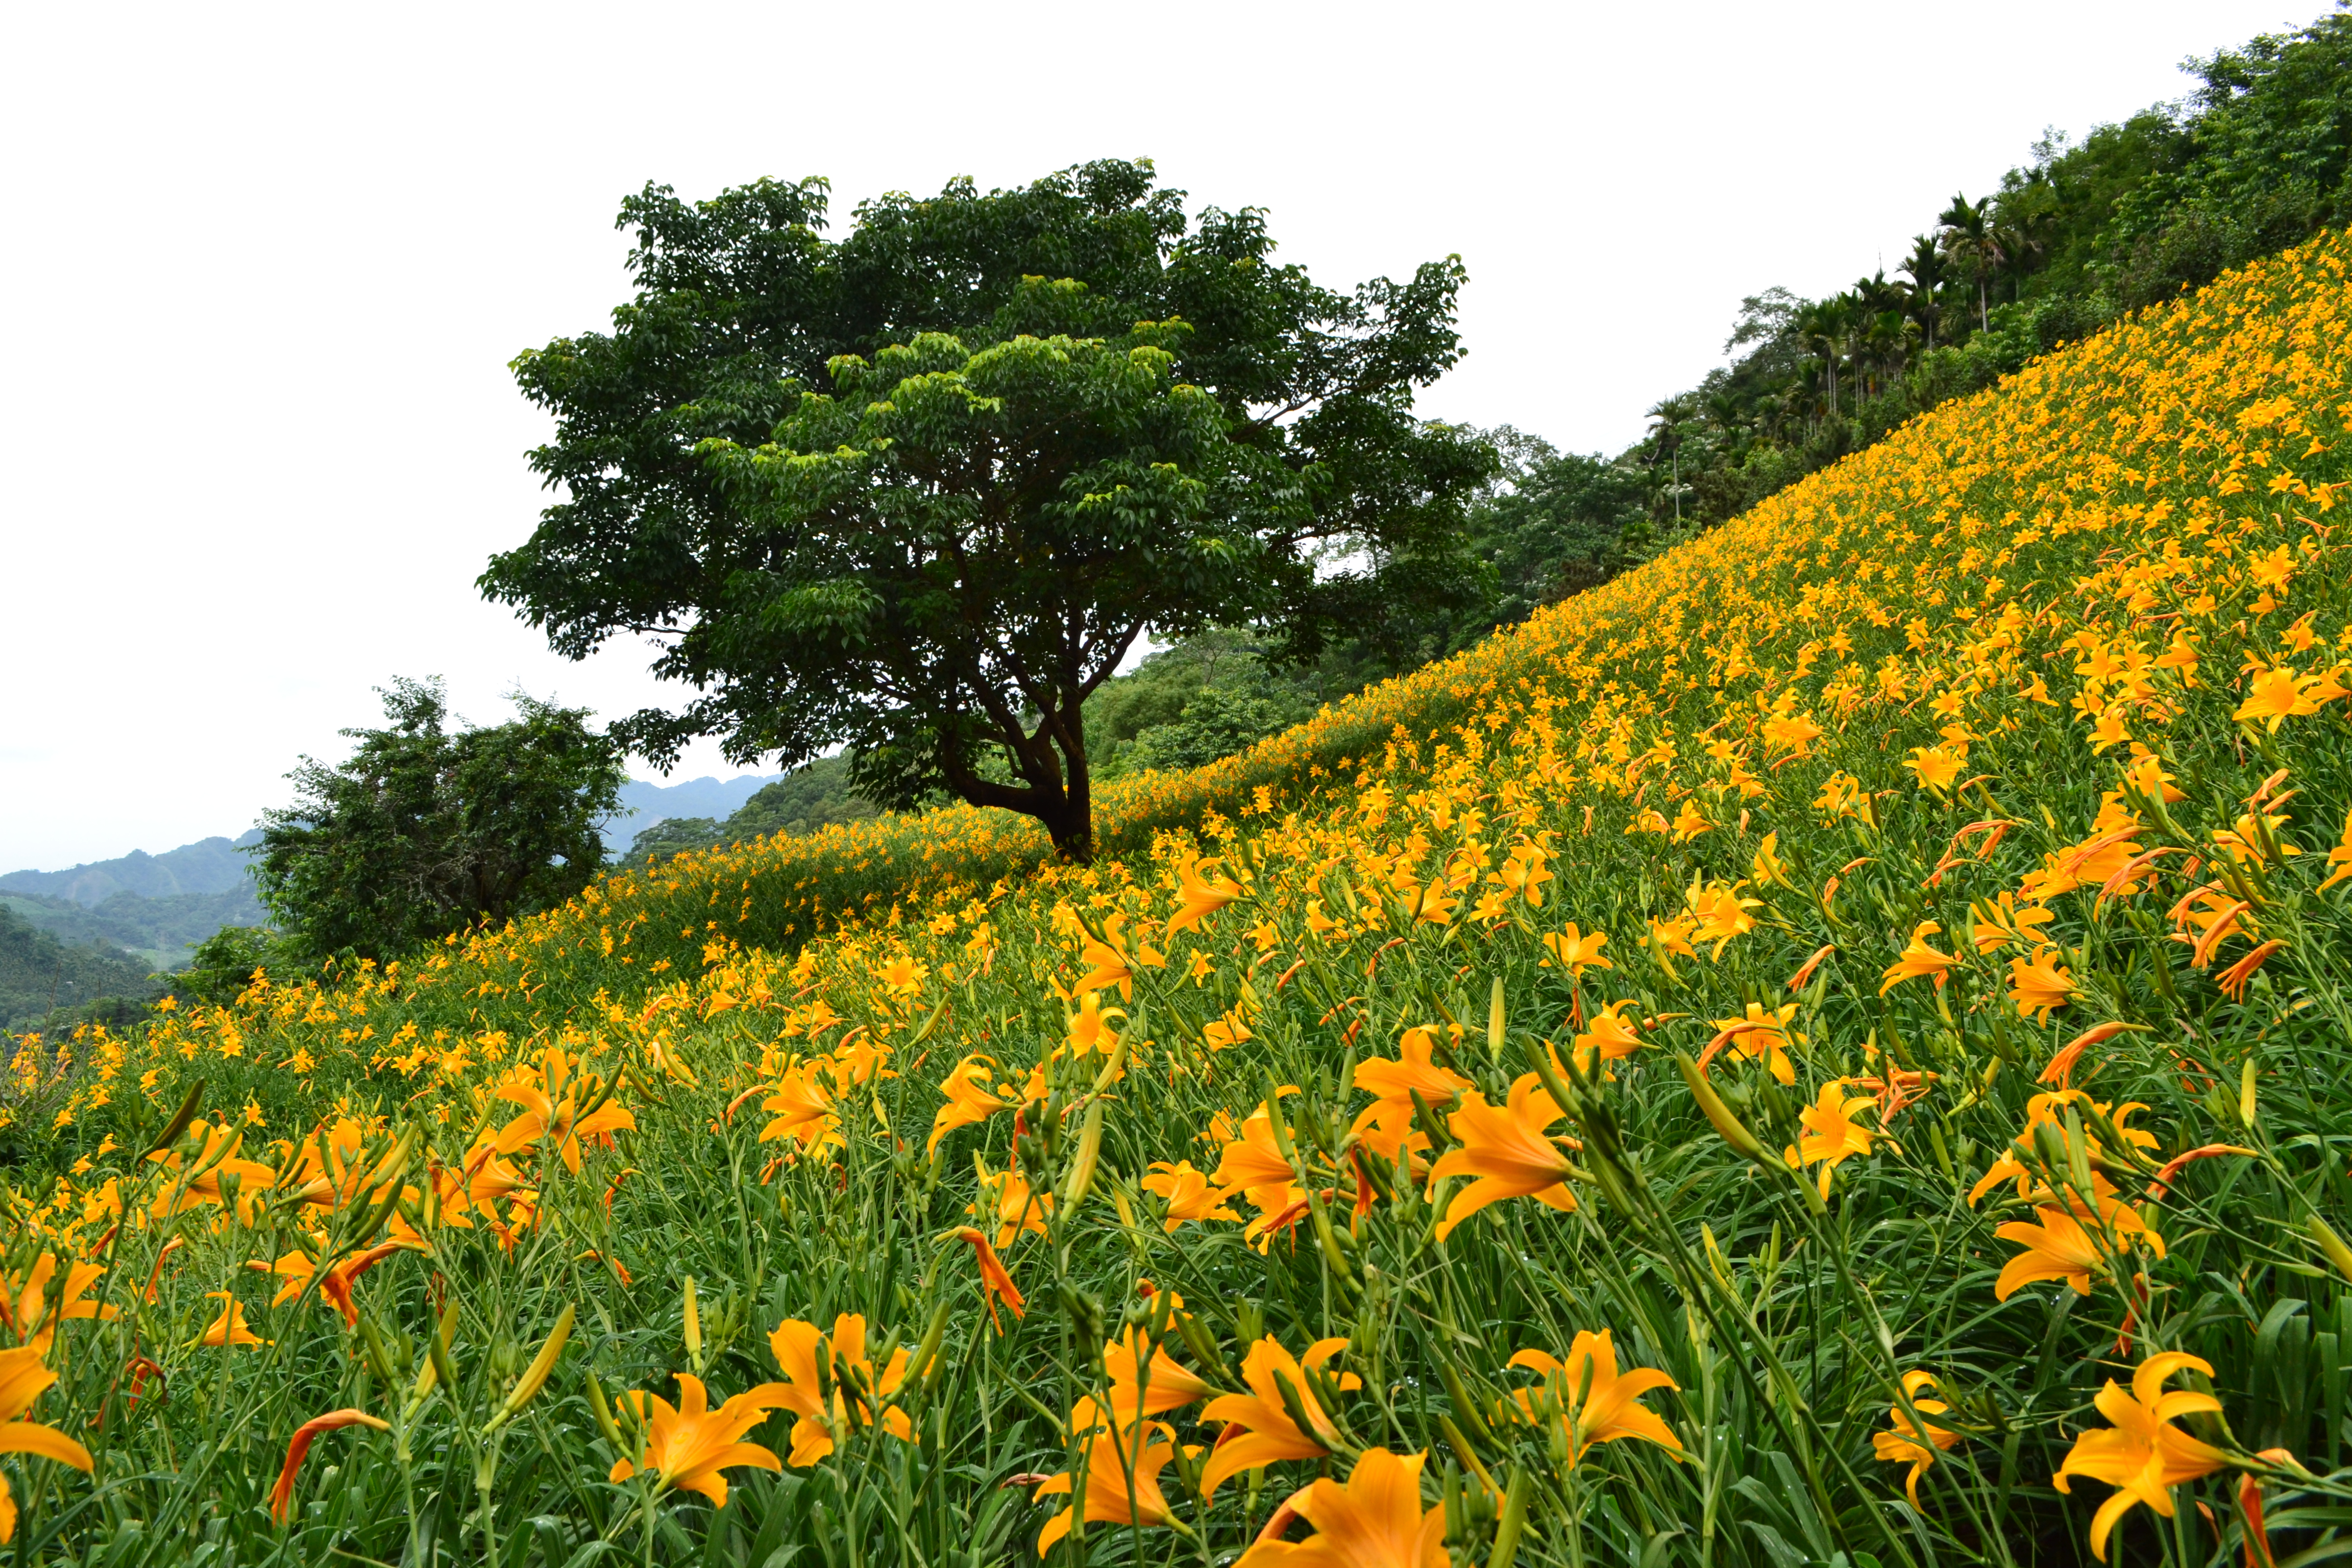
(1059, 793)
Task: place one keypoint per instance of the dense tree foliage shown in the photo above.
(2257, 157)
(921, 489)
(803, 800)
(44, 981)
(424, 830)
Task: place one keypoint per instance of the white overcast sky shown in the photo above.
(257, 434)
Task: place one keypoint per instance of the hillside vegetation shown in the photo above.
(1402, 1103)
(41, 975)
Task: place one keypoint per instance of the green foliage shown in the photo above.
(2261, 158)
(1206, 697)
(46, 982)
(224, 964)
(801, 801)
(674, 835)
(158, 930)
(423, 831)
(1015, 474)
(1218, 722)
(2258, 158)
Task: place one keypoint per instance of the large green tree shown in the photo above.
(919, 489)
(425, 830)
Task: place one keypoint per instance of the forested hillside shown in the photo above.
(208, 865)
(2257, 155)
(45, 981)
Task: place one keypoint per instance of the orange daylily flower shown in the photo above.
(995, 1280)
(1258, 1425)
(1198, 897)
(1918, 959)
(2051, 1107)
(557, 1120)
(971, 1100)
(228, 1330)
(1761, 1033)
(1090, 1030)
(688, 1445)
(298, 1269)
(281, 1496)
(1917, 1439)
(1394, 1083)
(1522, 875)
(1575, 952)
(1936, 767)
(1376, 1521)
(1252, 1164)
(2003, 922)
(22, 1379)
(1719, 913)
(1830, 1134)
(1671, 936)
(219, 1158)
(1188, 1194)
(1170, 1385)
(803, 1111)
(2215, 915)
(2234, 980)
(1122, 1482)
(857, 1392)
(1005, 1196)
(2142, 1454)
(1232, 1029)
(2041, 986)
(33, 1315)
(1591, 1400)
(2062, 1247)
(1505, 1149)
(1610, 1038)
(902, 976)
(2340, 856)
(2278, 694)
(1113, 962)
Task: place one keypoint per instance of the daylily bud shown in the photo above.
(535, 1375)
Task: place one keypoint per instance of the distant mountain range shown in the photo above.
(207, 866)
(145, 911)
(643, 803)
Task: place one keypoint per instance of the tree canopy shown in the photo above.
(425, 831)
(921, 489)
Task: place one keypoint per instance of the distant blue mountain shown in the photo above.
(643, 804)
(207, 866)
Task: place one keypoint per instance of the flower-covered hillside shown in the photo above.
(1827, 1046)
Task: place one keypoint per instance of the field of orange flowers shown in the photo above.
(1830, 1049)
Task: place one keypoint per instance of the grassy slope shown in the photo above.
(1990, 589)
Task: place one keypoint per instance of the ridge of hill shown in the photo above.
(1972, 821)
(160, 929)
(216, 864)
(41, 975)
(644, 803)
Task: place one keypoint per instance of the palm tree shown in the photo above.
(1968, 237)
(1890, 341)
(1925, 269)
(1821, 326)
(1666, 423)
(2021, 227)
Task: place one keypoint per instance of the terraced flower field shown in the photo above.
(1830, 1049)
